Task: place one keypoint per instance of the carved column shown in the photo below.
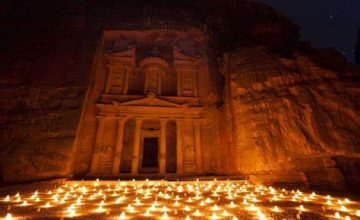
(179, 150)
(136, 148)
(162, 159)
(97, 147)
(118, 145)
(198, 146)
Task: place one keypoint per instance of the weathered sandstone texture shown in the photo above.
(275, 110)
(295, 120)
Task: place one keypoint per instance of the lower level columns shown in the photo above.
(97, 147)
(179, 146)
(118, 145)
(198, 149)
(162, 155)
(136, 148)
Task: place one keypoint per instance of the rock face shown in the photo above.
(294, 120)
(280, 110)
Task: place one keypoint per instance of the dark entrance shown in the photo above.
(150, 152)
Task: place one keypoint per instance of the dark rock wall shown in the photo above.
(46, 55)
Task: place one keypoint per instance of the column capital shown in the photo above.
(100, 117)
(138, 121)
(197, 121)
(179, 119)
(121, 118)
(163, 120)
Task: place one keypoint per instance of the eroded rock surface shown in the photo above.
(294, 119)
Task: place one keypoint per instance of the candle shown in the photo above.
(122, 216)
(8, 216)
(276, 209)
(337, 215)
(7, 198)
(197, 213)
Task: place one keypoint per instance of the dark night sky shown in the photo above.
(326, 23)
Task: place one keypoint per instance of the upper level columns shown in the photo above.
(118, 144)
(136, 148)
(162, 155)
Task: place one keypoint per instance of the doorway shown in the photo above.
(150, 155)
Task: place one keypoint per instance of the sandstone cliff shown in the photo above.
(295, 120)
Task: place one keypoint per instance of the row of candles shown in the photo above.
(178, 200)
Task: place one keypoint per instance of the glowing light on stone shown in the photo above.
(165, 216)
(130, 209)
(147, 213)
(47, 205)
(7, 198)
(122, 216)
(71, 211)
(343, 208)
(260, 215)
(252, 207)
(214, 216)
(18, 199)
(357, 213)
(275, 209)
(215, 208)
(225, 213)
(232, 204)
(301, 208)
(197, 213)
(8, 217)
(164, 209)
(337, 215)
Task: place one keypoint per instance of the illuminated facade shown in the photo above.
(149, 104)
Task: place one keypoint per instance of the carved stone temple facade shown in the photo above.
(172, 89)
(148, 106)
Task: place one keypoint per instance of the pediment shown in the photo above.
(150, 101)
